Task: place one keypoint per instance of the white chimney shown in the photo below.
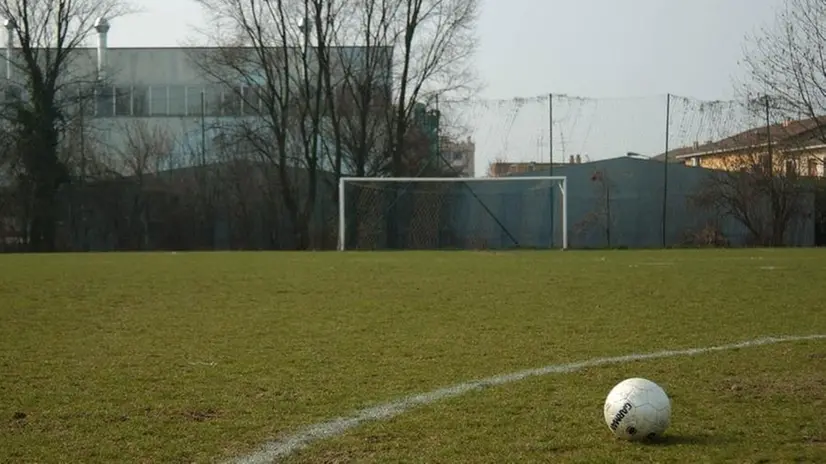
(102, 26)
(10, 27)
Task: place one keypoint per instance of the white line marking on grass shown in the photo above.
(653, 263)
(272, 451)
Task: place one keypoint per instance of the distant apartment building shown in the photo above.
(796, 147)
(460, 156)
(508, 168)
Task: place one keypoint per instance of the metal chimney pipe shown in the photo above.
(10, 27)
(102, 27)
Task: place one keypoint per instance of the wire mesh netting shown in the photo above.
(558, 127)
(223, 197)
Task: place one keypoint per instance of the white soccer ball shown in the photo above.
(637, 409)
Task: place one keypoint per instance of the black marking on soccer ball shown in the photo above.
(626, 408)
(631, 431)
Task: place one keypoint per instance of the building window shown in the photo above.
(158, 100)
(195, 101)
(766, 162)
(811, 168)
(214, 100)
(86, 101)
(791, 168)
(251, 101)
(105, 101)
(123, 101)
(140, 101)
(232, 101)
(13, 93)
(177, 100)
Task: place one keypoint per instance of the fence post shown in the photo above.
(665, 165)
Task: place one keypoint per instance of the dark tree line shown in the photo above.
(328, 95)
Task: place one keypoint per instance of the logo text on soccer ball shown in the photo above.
(626, 408)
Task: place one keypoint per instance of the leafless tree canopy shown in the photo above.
(39, 97)
(334, 84)
(324, 89)
(763, 194)
(762, 187)
(787, 61)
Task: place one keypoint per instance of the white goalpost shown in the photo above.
(454, 212)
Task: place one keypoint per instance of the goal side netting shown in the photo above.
(452, 213)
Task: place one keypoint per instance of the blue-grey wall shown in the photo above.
(516, 212)
(634, 188)
(496, 214)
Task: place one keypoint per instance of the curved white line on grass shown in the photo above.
(275, 450)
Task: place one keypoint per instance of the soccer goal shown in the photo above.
(452, 213)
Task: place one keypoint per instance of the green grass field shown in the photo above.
(205, 357)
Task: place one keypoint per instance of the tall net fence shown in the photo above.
(434, 214)
(222, 199)
(617, 196)
(555, 128)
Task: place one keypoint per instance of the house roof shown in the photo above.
(800, 133)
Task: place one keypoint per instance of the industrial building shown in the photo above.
(163, 91)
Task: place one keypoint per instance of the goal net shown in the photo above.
(452, 213)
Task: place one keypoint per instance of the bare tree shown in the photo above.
(49, 33)
(787, 60)
(329, 93)
(269, 53)
(12, 195)
(602, 212)
(142, 155)
(360, 93)
(144, 151)
(436, 42)
(763, 194)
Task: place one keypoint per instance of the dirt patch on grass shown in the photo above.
(201, 415)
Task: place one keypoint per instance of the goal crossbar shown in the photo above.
(562, 182)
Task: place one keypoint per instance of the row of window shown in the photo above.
(812, 168)
(162, 100)
(176, 100)
(166, 100)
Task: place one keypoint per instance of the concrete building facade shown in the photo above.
(166, 91)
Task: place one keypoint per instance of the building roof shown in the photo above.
(799, 133)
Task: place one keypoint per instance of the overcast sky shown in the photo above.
(620, 49)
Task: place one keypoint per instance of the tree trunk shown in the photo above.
(44, 220)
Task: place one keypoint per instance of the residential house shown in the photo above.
(795, 146)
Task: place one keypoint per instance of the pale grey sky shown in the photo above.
(620, 49)
(616, 48)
